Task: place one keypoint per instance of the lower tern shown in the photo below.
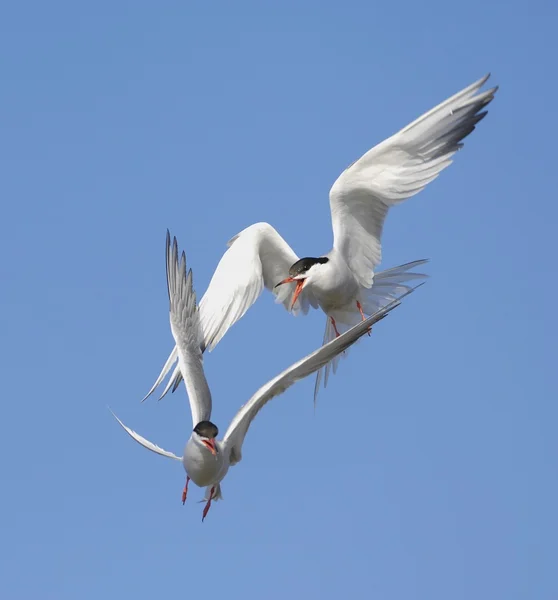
(206, 459)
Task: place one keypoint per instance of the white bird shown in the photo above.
(206, 460)
(342, 282)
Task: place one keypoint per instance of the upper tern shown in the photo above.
(342, 282)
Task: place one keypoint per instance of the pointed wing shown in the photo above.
(186, 330)
(145, 443)
(234, 437)
(396, 169)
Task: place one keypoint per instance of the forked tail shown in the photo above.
(388, 285)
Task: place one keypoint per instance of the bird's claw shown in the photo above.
(185, 490)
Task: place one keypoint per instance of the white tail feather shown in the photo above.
(387, 286)
(173, 357)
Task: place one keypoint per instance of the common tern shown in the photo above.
(206, 460)
(342, 282)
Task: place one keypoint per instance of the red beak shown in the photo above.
(210, 445)
(288, 280)
(298, 289)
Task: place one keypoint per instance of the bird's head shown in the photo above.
(205, 433)
(302, 273)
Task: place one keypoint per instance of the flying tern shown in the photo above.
(342, 282)
(206, 460)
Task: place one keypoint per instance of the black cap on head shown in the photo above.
(302, 265)
(206, 429)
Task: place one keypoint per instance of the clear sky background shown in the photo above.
(429, 470)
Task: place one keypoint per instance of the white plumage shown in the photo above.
(207, 460)
(345, 286)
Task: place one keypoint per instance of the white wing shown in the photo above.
(234, 437)
(145, 443)
(257, 257)
(186, 330)
(395, 170)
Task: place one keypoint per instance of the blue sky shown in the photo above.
(429, 470)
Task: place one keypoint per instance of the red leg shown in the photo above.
(337, 334)
(208, 505)
(359, 306)
(185, 490)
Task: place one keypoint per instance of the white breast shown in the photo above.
(201, 466)
(334, 285)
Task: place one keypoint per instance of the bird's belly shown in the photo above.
(337, 295)
(203, 470)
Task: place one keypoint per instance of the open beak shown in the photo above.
(288, 280)
(298, 289)
(210, 445)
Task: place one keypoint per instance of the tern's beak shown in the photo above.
(298, 289)
(288, 280)
(299, 285)
(210, 445)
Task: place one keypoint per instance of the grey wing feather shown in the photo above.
(186, 330)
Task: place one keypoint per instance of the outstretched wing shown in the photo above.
(257, 257)
(234, 437)
(186, 330)
(145, 443)
(396, 169)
